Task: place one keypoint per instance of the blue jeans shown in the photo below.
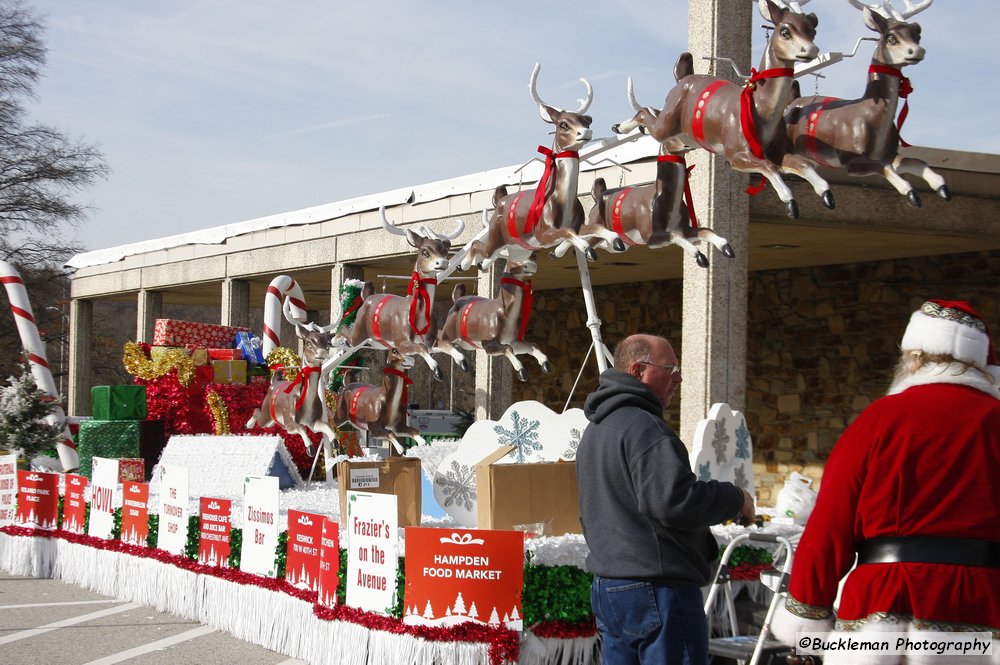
(649, 622)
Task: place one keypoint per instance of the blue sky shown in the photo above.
(211, 112)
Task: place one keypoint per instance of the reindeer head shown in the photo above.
(315, 344)
(794, 32)
(523, 269)
(572, 127)
(398, 361)
(432, 247)
(899, 42)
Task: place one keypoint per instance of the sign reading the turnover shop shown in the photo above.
(329, 564)
(135, 513)
(171, 534)
(260, 525)
(305, 534)
(214, 531)
(104, 483)
(38, 499)
(372, 535)
(463, 576)
(74, 504)
(8, 488)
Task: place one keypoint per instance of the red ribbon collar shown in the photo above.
(301, 381)
(905, 88)
(526, 301)
(538, 203)
(407, 381)
(746, 115)
(417, 289)
(688, 199)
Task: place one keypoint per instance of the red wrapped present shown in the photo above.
(131, 469)
(171, 332)
(224, 354)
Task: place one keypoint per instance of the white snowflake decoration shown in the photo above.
(522, 436)
(458, 484)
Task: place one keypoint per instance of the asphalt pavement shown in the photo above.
(48, 622)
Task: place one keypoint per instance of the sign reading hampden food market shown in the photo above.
(171, 534)
(372, 536)
(38, 499)
(329, 564)
(213, 532)
(457, 576)
(74, 504)
(135, 513)
(260, 525)
(104, 482)
(305, 533)
(8, 488)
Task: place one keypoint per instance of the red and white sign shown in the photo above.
(8, 488)
(372, 541)
(171, 534)
(135, 513)
(305, 533)
(213, 532)
(260, 526)
(38, 499)
(74, 504)
(103, 484)
(329, 564)
(459, 576)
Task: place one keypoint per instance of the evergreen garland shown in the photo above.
(350, 303)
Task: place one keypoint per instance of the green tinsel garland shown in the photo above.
(747, 555)
(235, 547)
(555, 593)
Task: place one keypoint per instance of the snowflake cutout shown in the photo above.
(523, 436)
(743, 442)
(574, 444)
(741, 478)
(458, 485)
(705, 471)
(720, 441)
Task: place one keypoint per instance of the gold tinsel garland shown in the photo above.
(286, 360)
(220, 413)
(137, 364)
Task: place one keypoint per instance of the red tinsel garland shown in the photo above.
(749, 571)
(564, 630)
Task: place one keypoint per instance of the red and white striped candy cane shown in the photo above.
(281, 287)
(20, 307)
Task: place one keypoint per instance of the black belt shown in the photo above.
(928, 549)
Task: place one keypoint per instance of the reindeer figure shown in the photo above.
(859, 135)
(298, 406)
(744, 123)
(654, 215)
(496, 325)
(404, 323)
(550, 214)
(380, 410)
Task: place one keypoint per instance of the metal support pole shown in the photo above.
(593, 322)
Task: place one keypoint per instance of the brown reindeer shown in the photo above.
(298, 406)
(742, 122)
(550, 214)
(859, 135)
(496, 325)
(404, 323)
(380, 410)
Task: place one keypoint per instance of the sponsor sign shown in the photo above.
(171, 535)
(329, 564)
(74, 503)
(213, 532)
(38, 499)
(260, 525)
(135, 513)
(103, 485)
(305, 534)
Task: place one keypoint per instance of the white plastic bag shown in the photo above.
(796, 499)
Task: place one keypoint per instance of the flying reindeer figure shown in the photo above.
(380, 410)
(495, 325)
(742, 122)
(859, 135)
(550, 214)
(404, 323)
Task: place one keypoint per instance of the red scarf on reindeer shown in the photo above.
(904, 92)
(746, 116)
(301, 381)
(526, 300)
(538, 203)
(406, 382)
(417, 289)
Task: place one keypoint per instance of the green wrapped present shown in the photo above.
(118, 402)
(119, 439)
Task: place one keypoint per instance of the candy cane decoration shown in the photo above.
(280, 288)
(20, 307)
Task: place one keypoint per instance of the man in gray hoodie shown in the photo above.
(645, 515)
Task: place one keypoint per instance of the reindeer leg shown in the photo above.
(919, 168)
(803, 168)
(708, 235)
(678, 237)
(528, 347)
(746, 163)
(445, 346)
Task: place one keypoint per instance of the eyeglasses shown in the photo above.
(673, 369)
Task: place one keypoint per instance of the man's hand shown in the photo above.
(747, 511)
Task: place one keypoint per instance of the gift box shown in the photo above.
(118, 439)
(224, 354)
(229, 371)
(131, 470)
(118, 402)
(172, 332)
(258, 374)
(251, 347)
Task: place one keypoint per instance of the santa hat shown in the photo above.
(952, 328)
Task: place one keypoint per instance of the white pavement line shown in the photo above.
(25, 634)
(68, 602)
(153, 646)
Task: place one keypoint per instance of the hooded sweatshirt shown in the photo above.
(645, 514)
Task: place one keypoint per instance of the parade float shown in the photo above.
(242, 484)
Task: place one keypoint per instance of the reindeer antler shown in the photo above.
(424, 231)
(794, 5)
(886, 9)
(533, 89)
(389, 226)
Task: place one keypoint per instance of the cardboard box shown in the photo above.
(393, 475)
(510, 494)
(118, 402)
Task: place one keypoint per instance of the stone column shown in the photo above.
(235, 302)
(81, 320)
(494, 375)
(714, 330)
(338, 275)
(148, 308)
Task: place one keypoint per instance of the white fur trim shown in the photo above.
(785, 626)
(950, 373)
(940, 336)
